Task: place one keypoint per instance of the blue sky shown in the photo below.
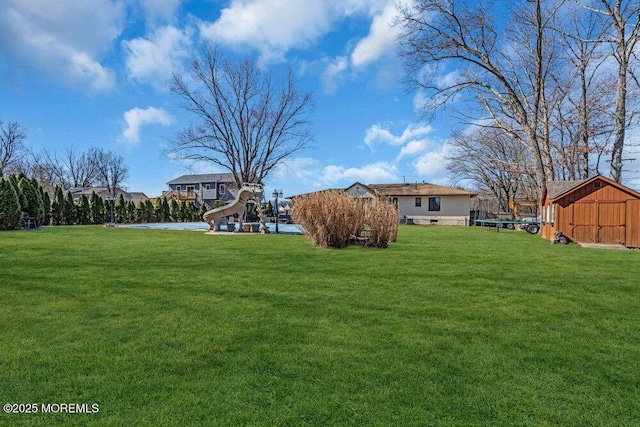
(94, 73)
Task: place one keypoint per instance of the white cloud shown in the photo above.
(368, 174)
(160, 10)
(420, 99)
(136, 118)
(379, 134)
(333, 73)
(272, 26)
(153, 59)
(433, 165)
(275, 26)
(449, 79)
(414, 147)
(64, 38)
(380, 40)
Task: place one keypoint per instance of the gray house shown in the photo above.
(202, 189)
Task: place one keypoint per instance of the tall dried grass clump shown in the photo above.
(381, 217)
(333, 220)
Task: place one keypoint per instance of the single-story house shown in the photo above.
(202, 188)
(419, 203)
(593, 210)
(422, 203)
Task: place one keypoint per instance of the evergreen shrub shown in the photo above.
(10, 213)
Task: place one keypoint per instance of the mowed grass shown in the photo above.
(448, 326)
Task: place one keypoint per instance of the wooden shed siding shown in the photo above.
(633, 224)
(605, 214)
(590, 193)
(579, 222)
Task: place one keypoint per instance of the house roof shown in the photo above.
(359, 186)
(394, 190)
(207, 177)
(100, 191)
(418, 189)
(138, 195)
(558, 189)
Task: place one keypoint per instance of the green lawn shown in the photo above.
(448, 326)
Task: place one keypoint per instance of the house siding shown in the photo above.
(454, 210)
(199, 184)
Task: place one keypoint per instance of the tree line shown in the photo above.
(546, 88)
(22, 197)
(69, 168)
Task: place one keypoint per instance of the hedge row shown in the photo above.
(21, 197)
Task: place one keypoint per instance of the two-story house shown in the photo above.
(202, 189)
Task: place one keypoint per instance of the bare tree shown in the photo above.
(625, 18)
(112, 173)
(72, 168)
(582, 125)
(247, 120)
(12, 136)
(505, 69)
(623, 23)
(494, 162)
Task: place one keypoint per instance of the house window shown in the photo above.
(207, 187)
(418, 202)
(434, 204)
(596, 184)
(395, 201)
(223, 188)
(178, 188)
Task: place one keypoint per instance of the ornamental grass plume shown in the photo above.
(381, 216)
(332, 219)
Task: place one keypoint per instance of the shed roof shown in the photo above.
(558, 189)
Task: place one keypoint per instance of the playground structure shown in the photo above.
(248, 192)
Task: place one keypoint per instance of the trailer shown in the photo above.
(531, 227)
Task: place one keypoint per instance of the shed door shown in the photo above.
(611, 222)
(599, 222)
(583, 222)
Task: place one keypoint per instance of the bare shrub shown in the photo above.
(333, 220)
(382, 218)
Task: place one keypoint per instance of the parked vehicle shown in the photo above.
(532, 225)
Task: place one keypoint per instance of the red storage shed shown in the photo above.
(593, 210)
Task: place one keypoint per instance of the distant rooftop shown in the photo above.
(412, 189)
(208, 177)
(405, 189)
